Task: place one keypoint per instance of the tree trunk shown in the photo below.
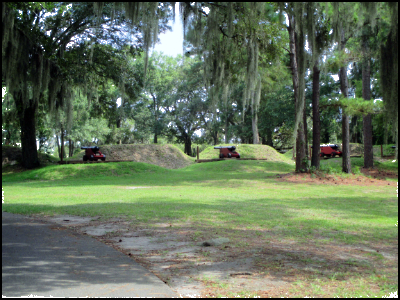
(215, 137)
(71, 148)
(396, 137)
(346, 161)
(305, 132)
(367, 133)
(254, 125)
(344, 88)
(155, 119)
(301, 159)
(301, 162)
(155, 137)
(8, 137)
(58, 146)
(62, 144)
(119, 120)
(316, 119)
(367, 121)
(188, 145)
(27, 122)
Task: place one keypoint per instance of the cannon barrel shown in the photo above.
(90, 147)
(222, 147)
(328, 145)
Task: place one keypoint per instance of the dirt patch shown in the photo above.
(238, 265)
(375, 178)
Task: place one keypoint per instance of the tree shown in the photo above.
(34, 40)
(389, 62)
(160, 83)
(297, 61)
(342, 22)
(233, 39)
(276, 111)
(9, 122)
(317, 29)
(186, 105)
(346, 162)
(366, 94)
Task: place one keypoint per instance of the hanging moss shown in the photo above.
(300, 24)
(25, 68)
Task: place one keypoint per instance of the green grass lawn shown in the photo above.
(235, 197)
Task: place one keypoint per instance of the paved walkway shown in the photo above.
(45, 259)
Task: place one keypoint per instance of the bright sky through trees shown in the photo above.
(171, 42)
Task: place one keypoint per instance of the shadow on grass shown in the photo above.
(353, 219)
(273, 257)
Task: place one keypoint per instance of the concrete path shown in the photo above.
(46, 259)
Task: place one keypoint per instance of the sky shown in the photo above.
(171, 42)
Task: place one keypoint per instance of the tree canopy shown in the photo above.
(245, 76)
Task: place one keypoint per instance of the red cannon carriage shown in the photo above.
(93, 153)
(330, 150)
(227, 151)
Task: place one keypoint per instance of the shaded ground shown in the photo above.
(13, 155)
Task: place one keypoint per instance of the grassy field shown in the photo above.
(241, 200)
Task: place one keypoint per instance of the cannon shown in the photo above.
(330, 150)
(227, 151)
(93, 153)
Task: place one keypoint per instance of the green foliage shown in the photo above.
(277, 112)
(240, 44)
(359, 106)
(9, 122)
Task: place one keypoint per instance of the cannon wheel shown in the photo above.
(84, 158)
(229, 155)
(221, 156)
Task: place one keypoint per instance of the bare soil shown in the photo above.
(372, 177)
